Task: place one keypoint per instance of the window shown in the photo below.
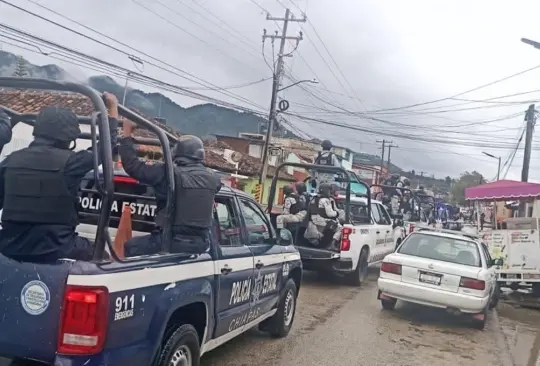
(375, 213)
(228, 225)
(256, 223)
(489, 260)
(442, 249)
(385, 217)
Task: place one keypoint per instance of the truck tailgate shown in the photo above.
(30, 305)
(317, 253)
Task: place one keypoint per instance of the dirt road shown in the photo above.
(341, 325)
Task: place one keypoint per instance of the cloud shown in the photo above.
(392, 53)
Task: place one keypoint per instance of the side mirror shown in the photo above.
(285, 238)
(497, 262)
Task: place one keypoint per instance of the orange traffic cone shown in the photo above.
(123, 233)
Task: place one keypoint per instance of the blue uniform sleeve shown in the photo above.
(5, 129)
(83, 161)
(153, 175)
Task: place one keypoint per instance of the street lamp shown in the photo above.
(312, 81)
(531, 43)
(495, 157)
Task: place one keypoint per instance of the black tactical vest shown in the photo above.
(196, 187)
(326, 159)
(35, 190)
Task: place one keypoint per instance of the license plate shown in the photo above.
(431, 278)
(531, 276)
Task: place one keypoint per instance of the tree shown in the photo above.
(413, 173)
(448, 180)
(466, 180)
(20, 70)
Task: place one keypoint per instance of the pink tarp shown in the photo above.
(503, 189)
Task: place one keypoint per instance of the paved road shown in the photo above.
(340, 325)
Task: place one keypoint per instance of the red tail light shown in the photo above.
(83, 322)
(391, 268)
(124, 180)
(345, 241)
(411, 228)
(471, 283)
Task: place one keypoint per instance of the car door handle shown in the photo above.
(377, 232)
(226, 270)
(259, 265)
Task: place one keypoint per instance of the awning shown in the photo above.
(502, 190)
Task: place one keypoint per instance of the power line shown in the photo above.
(179, 72)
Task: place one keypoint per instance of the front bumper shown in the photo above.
(432, 297)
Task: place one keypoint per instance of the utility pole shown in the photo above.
(276, 81)
(384, 142)
(530, 117)
(389, 151)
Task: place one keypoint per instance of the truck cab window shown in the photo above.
(257, 226)
(228, 225)
(385, 217)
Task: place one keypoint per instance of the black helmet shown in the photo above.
(326, 189)
(301, 187)
(395, 176)
(288, 189)
(326, 145)
(189, 146)
(58, 124)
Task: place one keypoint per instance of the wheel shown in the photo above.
(536, 289)
(280, 324)
(360, 272)
(495, 297)
(480, 324)
(181, 348)
(388, 304)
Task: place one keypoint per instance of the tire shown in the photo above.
(360, 272)
(182, 344)
(279, 325)
(495, 297)
(388, 304)
(480, 324)
(536, 289)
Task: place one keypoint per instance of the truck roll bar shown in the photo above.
(323, 169)
(100, 120)
(99, 130)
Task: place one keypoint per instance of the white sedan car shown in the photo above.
(443, 270)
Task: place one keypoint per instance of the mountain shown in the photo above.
(202, 120)
(9, 63)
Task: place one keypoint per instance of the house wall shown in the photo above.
(237, 144)
(251, 183)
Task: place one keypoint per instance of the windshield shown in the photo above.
(442, 249)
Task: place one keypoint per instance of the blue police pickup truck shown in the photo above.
(152, 311)
(163, 309)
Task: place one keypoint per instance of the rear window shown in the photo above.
(442, 249)
(128, 193)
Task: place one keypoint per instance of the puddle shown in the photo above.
(521, 328)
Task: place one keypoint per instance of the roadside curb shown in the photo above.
(502, 344)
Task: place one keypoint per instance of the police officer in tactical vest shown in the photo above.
(326, 156)
(195, 186)
(5, 129)
(39, 186)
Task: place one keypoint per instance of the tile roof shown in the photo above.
(31, 101)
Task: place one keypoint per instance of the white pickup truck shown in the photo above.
(365, 241)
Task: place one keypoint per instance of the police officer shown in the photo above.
(5, 129)
(39, 186)
(295, 205)
(326, 156)
(195, 186)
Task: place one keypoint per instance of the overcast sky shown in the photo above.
(392, 53)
